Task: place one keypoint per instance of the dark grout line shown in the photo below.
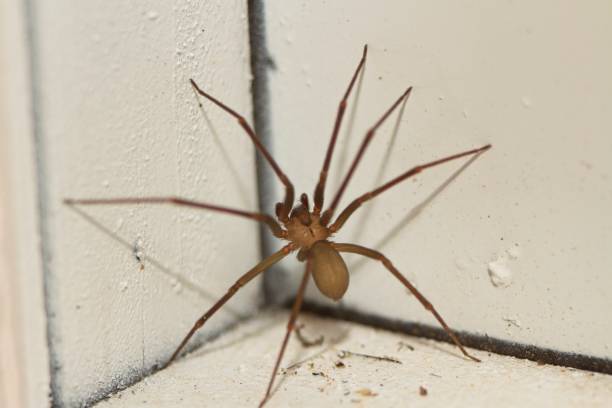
(261, 64)
(477, 341)
(42, 175)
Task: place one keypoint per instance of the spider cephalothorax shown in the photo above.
(305, 230)
(308, 231)
(304, 227)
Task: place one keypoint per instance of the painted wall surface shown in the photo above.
(515, 244)
(119, 118)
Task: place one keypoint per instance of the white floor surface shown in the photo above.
(233, 371)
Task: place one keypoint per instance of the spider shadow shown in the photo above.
(203, 349)
(158, 266)
(415, 212)
(423, 342)
(339, 335)
(242, 190)
(340, 164)
(381, 170)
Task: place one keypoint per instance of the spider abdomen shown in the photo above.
(329, 270)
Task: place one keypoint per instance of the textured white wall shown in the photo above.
(533, 79)
(119, 118)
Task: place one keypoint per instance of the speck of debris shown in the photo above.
(321, 373)
(422, 391)
(340, 364)
(345, 353)
(401, 345)
(540, 362)
(288, 371)
(366, 392)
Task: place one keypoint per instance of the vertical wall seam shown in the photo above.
(260, 64)
(42, 176)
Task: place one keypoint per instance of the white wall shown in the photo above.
(119, 118)
(533, 79)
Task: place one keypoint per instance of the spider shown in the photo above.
(307, 229)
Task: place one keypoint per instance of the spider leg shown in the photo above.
(244, 279)
(297, 305)
(348, 211)
(275, 228)
(327, 215)
(289, 191)
(370, 253)
(320, 189)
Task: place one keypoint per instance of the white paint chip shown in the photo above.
(514, 252)
(500, 273)
(526, 101)
(152, 15)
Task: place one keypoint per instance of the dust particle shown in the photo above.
(366, 392)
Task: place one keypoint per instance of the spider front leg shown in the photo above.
(287, 203)
(355, 204)
(295, 311)
(370, 253)
(327, 214)
(275, 228)
(244, 279)
(320, 188)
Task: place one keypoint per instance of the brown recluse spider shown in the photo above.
(307, 231)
